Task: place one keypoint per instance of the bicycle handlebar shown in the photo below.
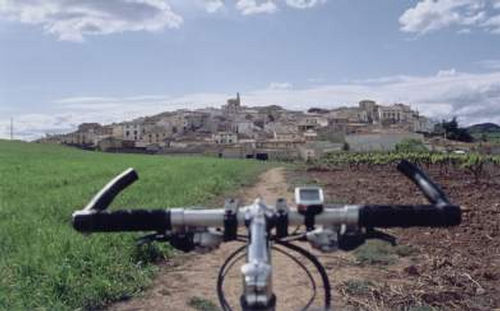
(409, 216)
(103, 198)
(431, 191)
(122, 220)
(372, 216)
(94, 218)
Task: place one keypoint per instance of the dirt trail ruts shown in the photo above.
(194, 275)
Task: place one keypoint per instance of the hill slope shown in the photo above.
(485, 132)
(484, 128)
(45, 264)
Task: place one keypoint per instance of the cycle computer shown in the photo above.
(307, 197)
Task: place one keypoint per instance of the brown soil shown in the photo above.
(452, 269)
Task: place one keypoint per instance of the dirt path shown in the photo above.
(428, 277)
(194, 275)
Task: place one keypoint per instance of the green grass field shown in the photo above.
(45, 264)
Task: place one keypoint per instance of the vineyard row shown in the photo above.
(425, 158)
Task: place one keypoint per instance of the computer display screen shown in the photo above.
(309, 195)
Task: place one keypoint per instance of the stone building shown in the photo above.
(101, 133)
(87, 134)
(110, 144)
(270, 130)
(378, 141)
(369, 115)
(155, 134)
(317, 149)
(116, 130)
(311, 122)
(310, 135)
(132, 131)
(87, 127)
(351, 114)
(144, 132)
(246, 127)
(225, 138)
(233, 105)
(422, 124)
(371, 109)
(397, 113)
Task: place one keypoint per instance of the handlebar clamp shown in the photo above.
(281, 219)
(230, 220)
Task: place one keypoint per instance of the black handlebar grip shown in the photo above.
(103, 199)
(123, 220)
(409, 216)
(432, 191)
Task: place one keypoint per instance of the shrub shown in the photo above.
(375, 252)
(202, 304)
(411, 145)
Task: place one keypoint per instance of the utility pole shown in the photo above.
(11, 128)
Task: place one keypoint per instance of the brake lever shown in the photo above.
(106, 195)
(155, 237)
(430, 189)
(372, 234)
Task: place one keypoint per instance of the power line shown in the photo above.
(11, 128)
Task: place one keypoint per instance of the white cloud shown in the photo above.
(73, 20)
(250, 7)
(490, 63)
(382, 80)
(464, 31)
(315, 80)
(447, 73)
(473, 97)
(431, 15)
(213, 6)
(280, 85)
(493, 24)
(303, 4)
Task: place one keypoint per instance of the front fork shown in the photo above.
(257, 271)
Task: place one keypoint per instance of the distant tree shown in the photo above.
(452, 131)
(259, 123)
(346, 147)
(318, 110)
(450, 126)
(484, 137)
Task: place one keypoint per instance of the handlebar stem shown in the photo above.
(257, 271)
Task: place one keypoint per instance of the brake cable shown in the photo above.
(291, 238)
(232, 260)
(321, 270)
(222, 273)
(309, 275)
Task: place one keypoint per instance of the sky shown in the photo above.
(65, 62)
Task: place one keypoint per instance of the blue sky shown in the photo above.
(63, 62)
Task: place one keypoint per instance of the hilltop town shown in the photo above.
(266, 132)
